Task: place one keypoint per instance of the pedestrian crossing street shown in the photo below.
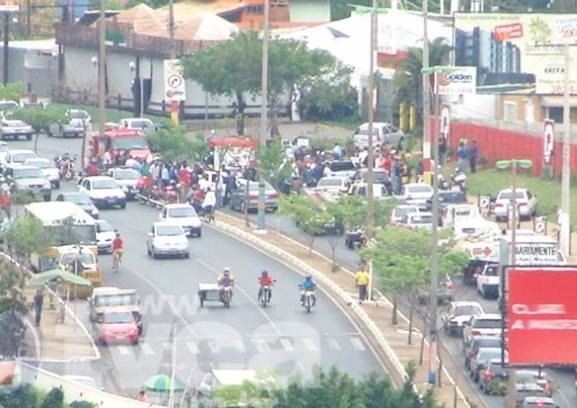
(150, 346)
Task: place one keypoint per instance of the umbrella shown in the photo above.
(163, 383)
(57, 275)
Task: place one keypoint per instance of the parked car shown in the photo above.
(380, 176)
(399, 212)
(104, 191)
(28, 180)
(183, 215)
(489, 280)
(528, 390)
(526, 204)
(81, 199)
(458, 314)
(360, 190)
(127, 179)
(355, 238)
(416, 194)
(19, 156)
(50, 171)
(105, 234)
(447, 197)
(383, 133)
(414, 221)
(478, 342)
(494, 378)
(15, 128)
(116, 325)
(78, 122)
(167, 239)
(445, 292)
(333, 185)
(241, 200)
(144, 124)
(488, 324)
(481, 360)
(344, 168)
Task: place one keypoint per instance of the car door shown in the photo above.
(85, 186)
(163, 213)
(531, 202)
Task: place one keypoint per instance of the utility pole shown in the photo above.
(171, 29)
(565, 213)
(263, 114)
(371, 119)
(101, 70)
(426, 96)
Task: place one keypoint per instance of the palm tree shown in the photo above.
(408, 82)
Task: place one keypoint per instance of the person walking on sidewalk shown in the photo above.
(38, 301)
(362, 278)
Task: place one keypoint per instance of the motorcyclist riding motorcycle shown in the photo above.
(308, 285)
(225, 281)
(265, 280)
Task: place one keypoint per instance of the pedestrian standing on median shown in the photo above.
(362, 278)
(38, 301)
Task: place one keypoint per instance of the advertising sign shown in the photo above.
(456, 81)
(548, 140)
(174, 86)
(541, 318)
(512, 47)
(8, 6)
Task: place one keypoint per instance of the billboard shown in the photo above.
(456, 81)
(520, 49)
(541, 319)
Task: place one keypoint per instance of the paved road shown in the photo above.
(244, 336)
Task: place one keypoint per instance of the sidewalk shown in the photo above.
(56, 340)
(455, 390)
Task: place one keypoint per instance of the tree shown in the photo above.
(40, 118)
(273, 164)
(174, 145)
(407, 80)
(26, 235)
(11, 91)
(54, 399)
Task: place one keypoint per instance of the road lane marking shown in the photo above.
(146, 349)
(358, 343)
(334, 344)
(192, 347)
(310, 344)
(123, 350)
(287, 345)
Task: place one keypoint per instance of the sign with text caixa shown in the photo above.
(456, 81)
(174, 86)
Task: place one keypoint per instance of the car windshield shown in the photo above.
(497, 368)
(40, 163)
(489, 342)
(104, 226)
(487, 323)
(118, 318)
(104, 184)
(169, 230)
(467, 310)
(85, 258)
(21, 157)
(330, 182)
(418, 190)
(181, 212)
(77, 198)
(140, 124)
(489, 354)
(31, 172)
(452, 197)
(126, 174)
(525, 376)
(8, 105)
(491, 271)
(254, 187)
(15, 123)
(342, 166)
(135, 142)
(400, 212)
(508, 195)
(421, 219)
(128, 299)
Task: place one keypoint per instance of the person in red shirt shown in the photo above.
(117, 246)
(265, 280)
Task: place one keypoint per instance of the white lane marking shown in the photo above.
(192, 347)
(146, 349)
(287, 345)
(334, 344)
(123, 350)
(261, 346)
(358, 343)
(310, 344)
(167, 345)
(250, 298)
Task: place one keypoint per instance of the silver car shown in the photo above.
(417, 194)
(526, 203)
(48, 168)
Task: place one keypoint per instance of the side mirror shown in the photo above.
(150, 234)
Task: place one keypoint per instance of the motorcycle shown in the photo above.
(66, 166)
(460, 179)
(308, 299)
(226, 296)
(265, 294)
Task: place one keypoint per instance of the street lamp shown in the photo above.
(137, 88)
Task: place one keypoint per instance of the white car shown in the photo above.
(104, 191)
(183, 215)
(333, 185)
(144, 124)
(14, 128)
(417, 220)
(80, 118)
(417, 194)
(489, 281)
(383, 133)
(399, 212)
(48, 168)
(3, 151)
(526, 203)
(460, 313)
(167, 239)
(488, 324)
(19, 156)
(105, 234)
(127, 178)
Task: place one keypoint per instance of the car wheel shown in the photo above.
(135, 342)
(28, 137)
(153, 254)
(187, 255)
(123, 205)
(46, 197)
(57, 185)
(199, 234)
(148, 251)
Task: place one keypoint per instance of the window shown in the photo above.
(509, 111)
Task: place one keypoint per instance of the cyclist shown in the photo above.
(225, 280)
(308, 285)
(117, 249)
(265, 280)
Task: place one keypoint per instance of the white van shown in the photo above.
(382, 133)
(225, 378)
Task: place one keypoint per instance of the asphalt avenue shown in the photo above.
(281, 336)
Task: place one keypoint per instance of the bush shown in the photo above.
(81, 404)
(54, 399)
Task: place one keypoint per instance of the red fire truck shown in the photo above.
(119, 142)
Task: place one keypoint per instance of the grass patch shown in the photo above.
(112, 115)
(548, 192)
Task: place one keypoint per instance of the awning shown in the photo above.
(557, 101)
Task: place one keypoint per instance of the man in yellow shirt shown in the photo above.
(362, 278)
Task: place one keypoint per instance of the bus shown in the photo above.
(66, 224)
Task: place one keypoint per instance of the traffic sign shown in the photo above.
(174, 84)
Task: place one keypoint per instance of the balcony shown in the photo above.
(122, 39)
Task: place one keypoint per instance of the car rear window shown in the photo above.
(418, 189)
(491, 270)
(487, 323)
(342, 166)
(492, 342)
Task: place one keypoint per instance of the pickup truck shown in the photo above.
(489, 281)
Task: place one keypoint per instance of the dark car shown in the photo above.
(470, 350)
(493, 380)
(81, 199)
(445, 292)
(380, 176)
(448, 197)
(355, 238)
(243, 198)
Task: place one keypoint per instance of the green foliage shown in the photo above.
(11, 91)
(150, 3)
(26, 235)
(273, 164)
(54, 399)
(82, 404)
(350, 211)
(305, 213)
(40, 118)
(22, 396)
(255, 394)
(174, 145)
(11, 286)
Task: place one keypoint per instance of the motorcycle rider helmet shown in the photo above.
(226, 271)
(264, 273)
(308, 276)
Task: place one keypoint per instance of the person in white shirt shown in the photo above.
(208, 204)
(204, 183)
(131, 162)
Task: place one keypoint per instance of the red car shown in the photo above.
(117, 326)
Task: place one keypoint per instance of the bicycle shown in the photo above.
(116, 260)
